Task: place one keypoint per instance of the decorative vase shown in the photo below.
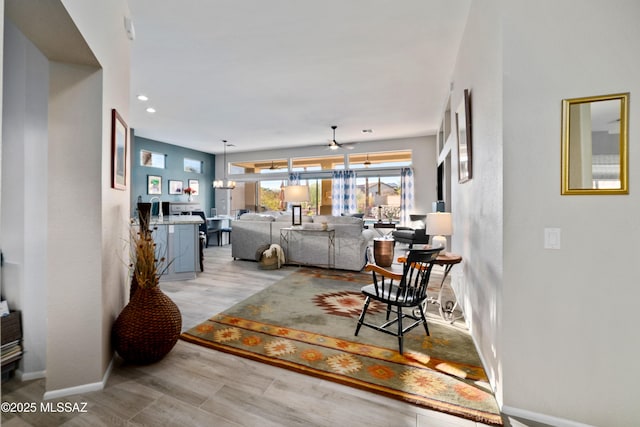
(147, 328)
(189, 197)
(383, 251)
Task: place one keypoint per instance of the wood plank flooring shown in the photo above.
(195, 386)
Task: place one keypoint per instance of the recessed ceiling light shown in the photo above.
(367, 130)
(143, 98)
(151, 110)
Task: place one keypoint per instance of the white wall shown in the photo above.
(1, 97)
(74, 242)
(555, 327)
(477, 204)
(86, 221)
(102, 25)
(569, 348)
(24, 215)
(423, 152)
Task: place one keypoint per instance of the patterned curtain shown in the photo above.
(294, 178)
(406, 194)
(343, 192)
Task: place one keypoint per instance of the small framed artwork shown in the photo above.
(175, 187)
(191, 165)
(194, 184)
(154, 184)
(153, 160)
(296, 217)
(119, 139)
(463, 124)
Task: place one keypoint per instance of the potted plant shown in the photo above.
(150, 324)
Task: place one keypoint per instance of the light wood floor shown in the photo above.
(195, 386)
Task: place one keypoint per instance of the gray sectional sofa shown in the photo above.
(252, 231)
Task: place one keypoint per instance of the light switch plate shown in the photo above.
(552, 238)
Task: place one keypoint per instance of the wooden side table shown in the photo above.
(446, 309)
(384, 229)
(447, 260)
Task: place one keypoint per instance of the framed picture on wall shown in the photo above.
(119, 139)
(152, 160)
(175, 187)
(191, 165)
(463, 125)
(194, 184)
(154, 184)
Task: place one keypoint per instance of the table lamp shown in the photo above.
(296, 194)
(439, 225)
(380, 200)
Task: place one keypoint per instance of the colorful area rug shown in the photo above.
(306, 322)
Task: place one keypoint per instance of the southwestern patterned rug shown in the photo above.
(306, 322)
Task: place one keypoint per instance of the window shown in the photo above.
(312, 206)
(271, 195)
(324, 163)
(379, 197)
(314, 164)
(264, 194)
(271, 166)
(151, 159)
(380, 160)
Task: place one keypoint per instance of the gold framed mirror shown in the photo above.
(594, 145)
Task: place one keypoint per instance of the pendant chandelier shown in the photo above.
(224, 184)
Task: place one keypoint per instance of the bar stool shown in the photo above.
(222, 231)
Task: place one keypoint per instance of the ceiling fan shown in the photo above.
(334, 145)
(273, 166)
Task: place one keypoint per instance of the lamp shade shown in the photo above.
(439, 224)
(296, 193)
(224, 184)
(380, 200)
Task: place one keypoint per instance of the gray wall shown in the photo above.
(174, 170)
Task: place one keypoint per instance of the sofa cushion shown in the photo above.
(256, 217)
(355, 215)
(312, 226)
(329, 219)
(274, 214)
(286, 217)
(418, 221)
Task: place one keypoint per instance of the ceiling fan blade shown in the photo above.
(333, 144)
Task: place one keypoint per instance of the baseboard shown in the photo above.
(517, 412)
(85, 388)
(541, 418)
(22, 376)
(523, 413)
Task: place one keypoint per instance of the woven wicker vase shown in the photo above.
(147, 328)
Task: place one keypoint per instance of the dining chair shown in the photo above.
(398, 290)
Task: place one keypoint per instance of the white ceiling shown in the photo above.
(278, 73)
